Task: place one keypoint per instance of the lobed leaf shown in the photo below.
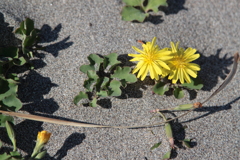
(111, 60)
(124, 74)
(130, 13)
(93, 103)
(80, 96)
(178, 93)
(115, 88)
(160, 88)
(12, 102)
(85, 68)
(155, 4)
(102, 94)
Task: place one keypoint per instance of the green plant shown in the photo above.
(105, 78)
(138, 9)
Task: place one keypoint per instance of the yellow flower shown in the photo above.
(180, 65)
(151, 59)
(43, 137)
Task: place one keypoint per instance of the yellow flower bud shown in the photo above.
(43, 137)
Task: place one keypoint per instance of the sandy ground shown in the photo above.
(71, 30)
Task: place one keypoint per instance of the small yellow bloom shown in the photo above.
(151, 59)
(43, 137)
(180, 65)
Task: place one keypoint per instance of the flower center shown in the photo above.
(179, 62)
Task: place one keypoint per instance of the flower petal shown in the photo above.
(138, 50)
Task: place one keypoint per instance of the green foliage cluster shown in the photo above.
(163, 86)
(138, 9)
(15, 56)
(105, 78)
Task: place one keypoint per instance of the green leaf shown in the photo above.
(8, 87)
(178, 93)
(16, 155)
(85, 68)
(30, 40)
(41, 155)
(133, 2)
(11, 134)
(167, 155)
(101, 83)
(9, 52)
(88, 83)
(102, 94)
(28, 26)
(196, 83)
(92, 75)
(3, 119)
(156, 145)
(13, 102)
(160, 88)
(95, 59)
(155, 4)
(187, 142)
(184, 107)
(115, 88)
(20, 61)
(123, 74)
(5, 156)
(21, 29)
(130, 14)
(80, 96)
(93, 103)
(111, 60)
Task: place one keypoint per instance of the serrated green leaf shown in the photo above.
(133, 2)
(5, 156)
(160, 88)
(13, 102)
(167, 155)
(9, 52)
(80, 96)
(3, 119)
(130, 14)
(93, 103)
(178, 93)
(196, 83)
(85, 68)
(28, 26)
(155, 4)
(111, 60)
(115, 88)
(124, 73)
(102, 94)
(156, 145)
